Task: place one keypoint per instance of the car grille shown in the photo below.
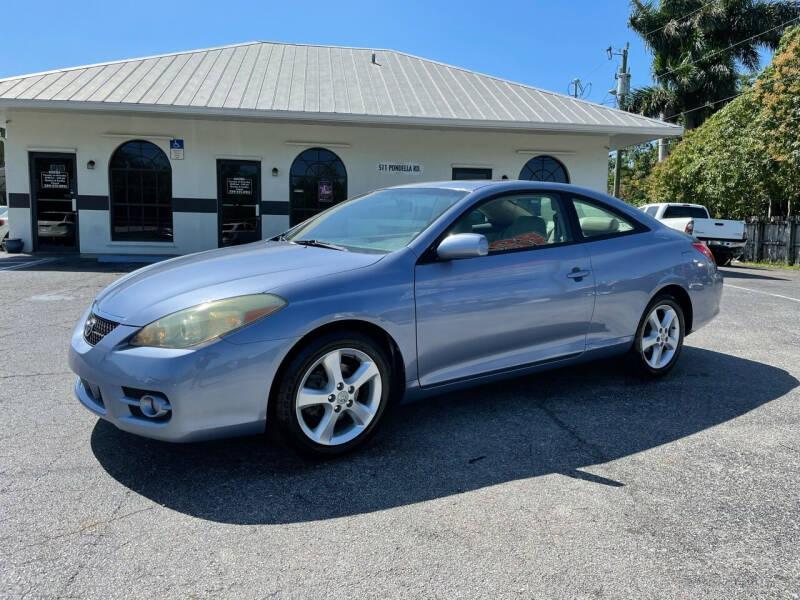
(99, 329)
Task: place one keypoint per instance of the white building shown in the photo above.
(183, 152)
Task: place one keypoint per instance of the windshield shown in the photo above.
(381, 221)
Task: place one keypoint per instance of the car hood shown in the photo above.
(163, 288)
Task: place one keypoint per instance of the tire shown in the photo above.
(722, 260)
(321, 412)
(668, 338)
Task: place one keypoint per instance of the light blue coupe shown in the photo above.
(402, 292)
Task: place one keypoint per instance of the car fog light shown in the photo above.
(153, 406)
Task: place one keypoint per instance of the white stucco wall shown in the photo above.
(95, 137)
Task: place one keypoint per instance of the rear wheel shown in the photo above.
(333, 394)
(659, 338)
(723, 259)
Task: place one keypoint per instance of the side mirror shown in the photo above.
(463, 245)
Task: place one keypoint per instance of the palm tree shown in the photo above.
(698, 49)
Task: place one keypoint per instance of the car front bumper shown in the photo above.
(217, 390)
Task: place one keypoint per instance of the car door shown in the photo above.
(529, 300)
(627, 262)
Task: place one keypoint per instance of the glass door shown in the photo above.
(238, 200)
(53, 202)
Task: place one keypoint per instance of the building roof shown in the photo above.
(319, 83)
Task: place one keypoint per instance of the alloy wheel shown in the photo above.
(338, 397)
(660, 336)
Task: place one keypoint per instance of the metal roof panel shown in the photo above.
(318, 82)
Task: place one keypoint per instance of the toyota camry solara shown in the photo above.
(399, 293)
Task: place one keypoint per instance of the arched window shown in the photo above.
(544, 168)
(317, 180)
(140, 193)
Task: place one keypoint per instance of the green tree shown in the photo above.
(637, 164)
(745, 159)
(698, 48)
(777, 91)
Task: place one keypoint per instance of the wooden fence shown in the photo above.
(775, 239)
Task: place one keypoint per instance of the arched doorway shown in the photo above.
(317, 180)
(544, 168)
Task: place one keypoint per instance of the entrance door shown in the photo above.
(54, 193)
(317, 181)
(471, 173)
(238, 200)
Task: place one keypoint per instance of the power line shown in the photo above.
(686, 16)
(750, 91)
(752, 37)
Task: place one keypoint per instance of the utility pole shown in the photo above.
(623, 87)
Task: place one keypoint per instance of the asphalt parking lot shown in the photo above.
(582, 482)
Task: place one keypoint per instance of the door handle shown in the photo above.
(577, 274)
(258, 211)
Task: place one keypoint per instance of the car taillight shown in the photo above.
(704, 249)
(689, 227)
(2, 222)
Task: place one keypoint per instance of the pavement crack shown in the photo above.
(594, 450)
(86, 528)
(29, 375)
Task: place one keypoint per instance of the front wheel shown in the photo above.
(333, 393)
(659, 338)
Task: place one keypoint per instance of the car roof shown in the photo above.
(461, 185)
(485, 185)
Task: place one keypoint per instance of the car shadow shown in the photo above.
(556, 422)
(735, 273)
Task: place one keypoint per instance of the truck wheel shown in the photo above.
(722, 259)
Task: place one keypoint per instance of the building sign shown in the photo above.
(239, 186)
(176, 149)
(400, 168)
(325, 191)
(56, 178)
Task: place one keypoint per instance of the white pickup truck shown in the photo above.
(726, 239)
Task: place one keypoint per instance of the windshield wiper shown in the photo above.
(319, 244)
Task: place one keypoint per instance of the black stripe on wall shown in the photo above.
(273, 207)
(195, 205)
(19, 200)
(92, 202)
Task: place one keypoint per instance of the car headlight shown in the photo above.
(208, 321)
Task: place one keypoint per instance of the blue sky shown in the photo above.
(545, 43)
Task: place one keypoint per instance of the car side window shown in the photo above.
(517, 221)
(596, 221)
(651, 210)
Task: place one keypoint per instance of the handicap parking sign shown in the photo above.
(176, 149)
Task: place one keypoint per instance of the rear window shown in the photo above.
(679, 212)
